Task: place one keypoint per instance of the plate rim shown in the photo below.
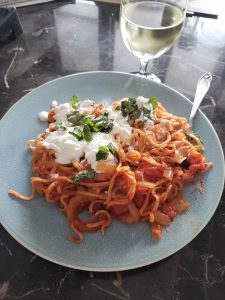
(144, 262)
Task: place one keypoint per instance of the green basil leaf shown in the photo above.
(129, 107)
(74, 118)
(88, 121)
(111, 148)
(107, 128)
(101, 119)
(153, 102)
(98, 127)
(61, 127)
(102, 124)
(85, 174)
(87, 133)
(124, 104)
(97, 123)
(135, 114)
(102, 153)
(148, 113)
(77, 133)
(73, 100)
(132, 101)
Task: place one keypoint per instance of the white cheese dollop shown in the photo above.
(86, 106)
(68, 148)
(141, 101)
(91, 148)
(149, 124)
(120, 123)
(43, 116)
(61, 112)
(54, 103)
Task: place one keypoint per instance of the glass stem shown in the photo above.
(143, 66)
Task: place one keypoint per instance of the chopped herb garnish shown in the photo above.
(153, 102)
(107, 128)
(88, 121)
(132, 106)
(95, 124)
(84, 174)
(87, 133)
(135, 114)
(124, 105)
(118, 107)
(61, 127)
(73, 101)
(111, 148)
(102, 153)
(132, 101)
(129, 107)
(148, 113)
(102, 124)
(75, 118)
(101, 120)
(99, 124)
(77, 133)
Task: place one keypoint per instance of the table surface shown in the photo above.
(63, 38)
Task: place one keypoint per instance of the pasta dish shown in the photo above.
(129, 160)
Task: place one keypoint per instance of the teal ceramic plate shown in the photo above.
(39, 227)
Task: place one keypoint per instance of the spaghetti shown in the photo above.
(129, 161)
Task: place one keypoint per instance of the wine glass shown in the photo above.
(149, 28)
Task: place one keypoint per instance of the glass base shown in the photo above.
(152, 77)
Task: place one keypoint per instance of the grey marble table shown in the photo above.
(61, 38)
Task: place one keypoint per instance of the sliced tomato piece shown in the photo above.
(168, 210)
(196, 158)
(153, 174)
(161, 218)
(156, 230)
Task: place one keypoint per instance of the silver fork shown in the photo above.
(201, 89)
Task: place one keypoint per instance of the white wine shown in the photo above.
(150, 28)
